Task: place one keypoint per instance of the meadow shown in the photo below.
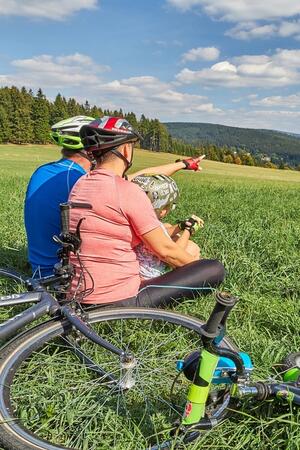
(252, 224)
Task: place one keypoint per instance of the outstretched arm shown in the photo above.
(170, 169)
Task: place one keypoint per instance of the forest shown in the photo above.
(26, 118)
(263, 144)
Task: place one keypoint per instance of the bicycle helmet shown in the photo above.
(66, 132)
(107, 133)
(161, 190)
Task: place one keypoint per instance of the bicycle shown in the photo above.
(124, 391)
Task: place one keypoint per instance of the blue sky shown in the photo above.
(234, 62)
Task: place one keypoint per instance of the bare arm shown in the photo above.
(166, 169)
(180, 237)
(172, 230)
(167, 250)
(169, 169)
(183, 239)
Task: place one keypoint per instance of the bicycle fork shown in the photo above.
(199, 390)
(212, 332)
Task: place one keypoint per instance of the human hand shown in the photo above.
(192, 224)
(199, 221)
(192, 163)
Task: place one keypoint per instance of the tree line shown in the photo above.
(26, 118)
(265, 145)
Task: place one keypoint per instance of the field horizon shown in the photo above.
(35, 155)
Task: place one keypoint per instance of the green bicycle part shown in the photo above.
(292, 375)
(199, 390)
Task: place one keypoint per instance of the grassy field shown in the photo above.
(252, 224)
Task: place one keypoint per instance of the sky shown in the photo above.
(233, 62)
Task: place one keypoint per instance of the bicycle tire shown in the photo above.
(291, 361)
(12, 274)
(34, 355)
(12, 281)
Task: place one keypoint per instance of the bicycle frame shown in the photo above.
(45, 304)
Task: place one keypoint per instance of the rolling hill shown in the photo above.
(275, 144)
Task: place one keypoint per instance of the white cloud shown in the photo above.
(287, 29)
(80, 74)
(252, 30)
(50, 9)
(252, 18)
(47, 70)
(201, 53)
(242, 10)
(260, 118)
(148, 93)
(289, 101)
(224, 66)
(280, 69)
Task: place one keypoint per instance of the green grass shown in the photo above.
(252, 224)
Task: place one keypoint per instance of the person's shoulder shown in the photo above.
(45, 166)
(127, 188)
(43, 169)
(128, 185)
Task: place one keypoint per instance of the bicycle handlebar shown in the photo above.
(65, 217)
(65, 213)
(224, 304)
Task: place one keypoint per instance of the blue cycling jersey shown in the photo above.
(49, 186)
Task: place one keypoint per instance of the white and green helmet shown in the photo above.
(161, 190)
(66, 132)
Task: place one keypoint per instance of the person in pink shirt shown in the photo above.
(121, 217)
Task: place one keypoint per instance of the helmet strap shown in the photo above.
(89, 156)
(116, 152)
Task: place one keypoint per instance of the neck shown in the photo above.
(116, 166)
(83, 162)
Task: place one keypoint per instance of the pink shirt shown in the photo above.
(121, 213)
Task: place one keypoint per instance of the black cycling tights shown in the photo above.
(188, 281)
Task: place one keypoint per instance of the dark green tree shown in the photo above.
(6, 110)
(21, 122)
(87, 108)
(131, 117)
(96, 112)
(5, 131)
(73, 108)
(40, 118)
(59, 110)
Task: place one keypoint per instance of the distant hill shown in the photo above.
(275, 144)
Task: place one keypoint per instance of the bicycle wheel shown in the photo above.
(12, 281)
(49, 399)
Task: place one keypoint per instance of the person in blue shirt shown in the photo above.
(51, 184)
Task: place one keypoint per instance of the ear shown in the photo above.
(127, 150)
